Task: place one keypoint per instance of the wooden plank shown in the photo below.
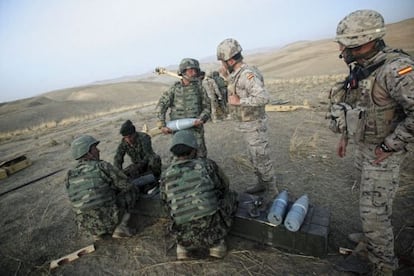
(72, 256)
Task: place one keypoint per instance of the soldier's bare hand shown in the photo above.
(198, 123)
(234, 100)
(381, 155)
(341, 148)
(166, 130)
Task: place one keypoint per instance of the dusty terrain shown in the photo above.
(37, 223)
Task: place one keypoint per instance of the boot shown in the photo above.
(384, 271)
(352, 264)
(182, 253)
(122, 230)
(219, 250)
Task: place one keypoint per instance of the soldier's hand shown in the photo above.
(234, 100)
(198, 123)
(381, 155)
(341, 148)
(166, 130)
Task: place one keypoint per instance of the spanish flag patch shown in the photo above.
(405, 70)
(250, 76)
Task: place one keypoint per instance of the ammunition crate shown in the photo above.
(311, 239)
(14, 165)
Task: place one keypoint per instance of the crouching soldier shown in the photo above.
(137, 145)
(100, 193)
(196, 193)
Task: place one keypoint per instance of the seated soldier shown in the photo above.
(100, 193)
(197, 196)
(139, 148)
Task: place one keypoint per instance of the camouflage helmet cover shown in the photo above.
(227, 49)
(185, 137)
(81, 145)
(187, 63)
(359, 28)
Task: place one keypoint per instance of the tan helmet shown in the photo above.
(227, 49)
(359, 28)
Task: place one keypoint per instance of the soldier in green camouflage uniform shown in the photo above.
(100, 193)
(137, 145)
(196, 193)
(247, 99)
(374, 106)
(186, 99)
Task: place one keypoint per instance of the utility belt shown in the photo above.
(246, 113)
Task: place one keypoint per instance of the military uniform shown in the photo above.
(214, 94)
(375, 107)
(100, 195)
(141, 153)
(214, 205)
(247, 83)
(189, 101)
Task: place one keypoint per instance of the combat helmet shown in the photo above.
(184, 137)
(227, 49)
(187, 63)
(359, 28)
(81, 145)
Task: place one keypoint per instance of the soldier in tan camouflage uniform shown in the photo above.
(186, 99)
(100, 193)
(197, 196)
(374, 106)
(247, 98)
(213, 93)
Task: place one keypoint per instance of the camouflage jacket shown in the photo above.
(212, 89)
(141, 151)
(189, 101)
(391, 91)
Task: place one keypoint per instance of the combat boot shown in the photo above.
(219, 250)
(122, 230)
(182, 253)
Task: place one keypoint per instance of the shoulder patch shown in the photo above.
(250, 76)
(405, 70)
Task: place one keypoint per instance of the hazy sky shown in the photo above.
(53, 44)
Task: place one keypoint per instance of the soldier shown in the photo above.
(137, 145)
(186, 99)
(222, 85)
(247, 99)
(213, 93)
(100, 193)
(197, 196)
(375, 107)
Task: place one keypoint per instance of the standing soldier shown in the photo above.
(247, 99)
(100, 193)
(186, 99)
(213, 93)
(374, 106)
(222, 85)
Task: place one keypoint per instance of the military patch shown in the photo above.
(250, 76)
(405, 70)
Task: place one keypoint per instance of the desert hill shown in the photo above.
(300, 59)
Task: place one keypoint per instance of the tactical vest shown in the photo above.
(88, 187)
(245, 113)
(374, 115)
(187, 101)
(189, 191)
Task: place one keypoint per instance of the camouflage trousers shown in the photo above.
(255, 136)
(207, 231)
(99, 221)
(379, 184)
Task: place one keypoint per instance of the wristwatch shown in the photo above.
(385, 148)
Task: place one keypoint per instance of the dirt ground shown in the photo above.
(37, 223)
